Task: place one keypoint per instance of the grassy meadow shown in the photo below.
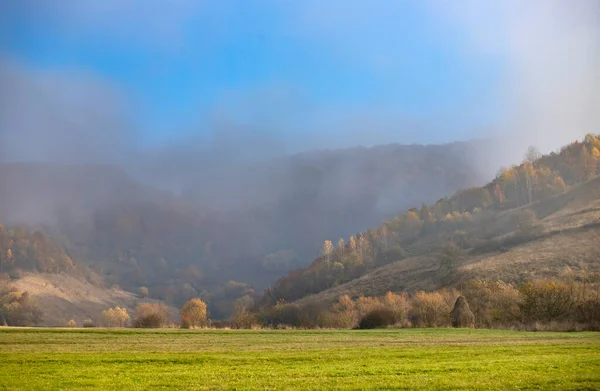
(416, 359)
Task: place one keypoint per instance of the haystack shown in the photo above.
(462, 315)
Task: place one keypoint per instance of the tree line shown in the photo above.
(571, 302)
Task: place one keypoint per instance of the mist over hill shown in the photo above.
(211, 150)
(249, 224)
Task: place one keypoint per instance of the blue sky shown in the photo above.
(309, 72)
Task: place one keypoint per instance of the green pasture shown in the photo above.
(415, 359)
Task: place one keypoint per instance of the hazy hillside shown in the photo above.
(534, 219)
(287, 206)
(44, 193)
(252, 225)
(98, 227)
(566, 243)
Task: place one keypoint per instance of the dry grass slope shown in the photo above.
(63, 297)
(568, 237)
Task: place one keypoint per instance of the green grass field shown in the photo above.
(35, 359)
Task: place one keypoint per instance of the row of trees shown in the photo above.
(494, 304)
(151, 315)
(573, 302)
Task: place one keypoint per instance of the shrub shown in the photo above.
(378, 318)
(492, 303)
(429, 310)
(282, 314)
(399, 304)
(151, 315)
(546, 300)
(588, 311)
(72, 324)
(344, 312)
(316, 314)
(242, 318)
(88, 323)
(150, 321)
(366, 304)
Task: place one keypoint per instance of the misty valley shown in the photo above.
(300, 195)
(73, 231)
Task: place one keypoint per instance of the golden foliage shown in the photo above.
(193, 313)
(115, 317)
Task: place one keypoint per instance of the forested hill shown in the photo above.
(253, 225)
(471, 221)
(24, 250)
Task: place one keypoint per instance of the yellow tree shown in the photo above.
(588, 162)
(326, 251)
(115, 317)
(363, 247)
(193, 313)
(341, 247)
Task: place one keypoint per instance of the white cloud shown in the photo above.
(551, 53)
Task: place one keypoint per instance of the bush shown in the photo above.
(431, 309)
(493, 303)
(366, 304)
(546, 300)
(315, 314)
(71, 324)
(588, 311)
(150, 321)
(377, 319)
(399, 304)
(151, 315)
(282, 314)
(345, 313)
(242, 318)
(88, 323)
